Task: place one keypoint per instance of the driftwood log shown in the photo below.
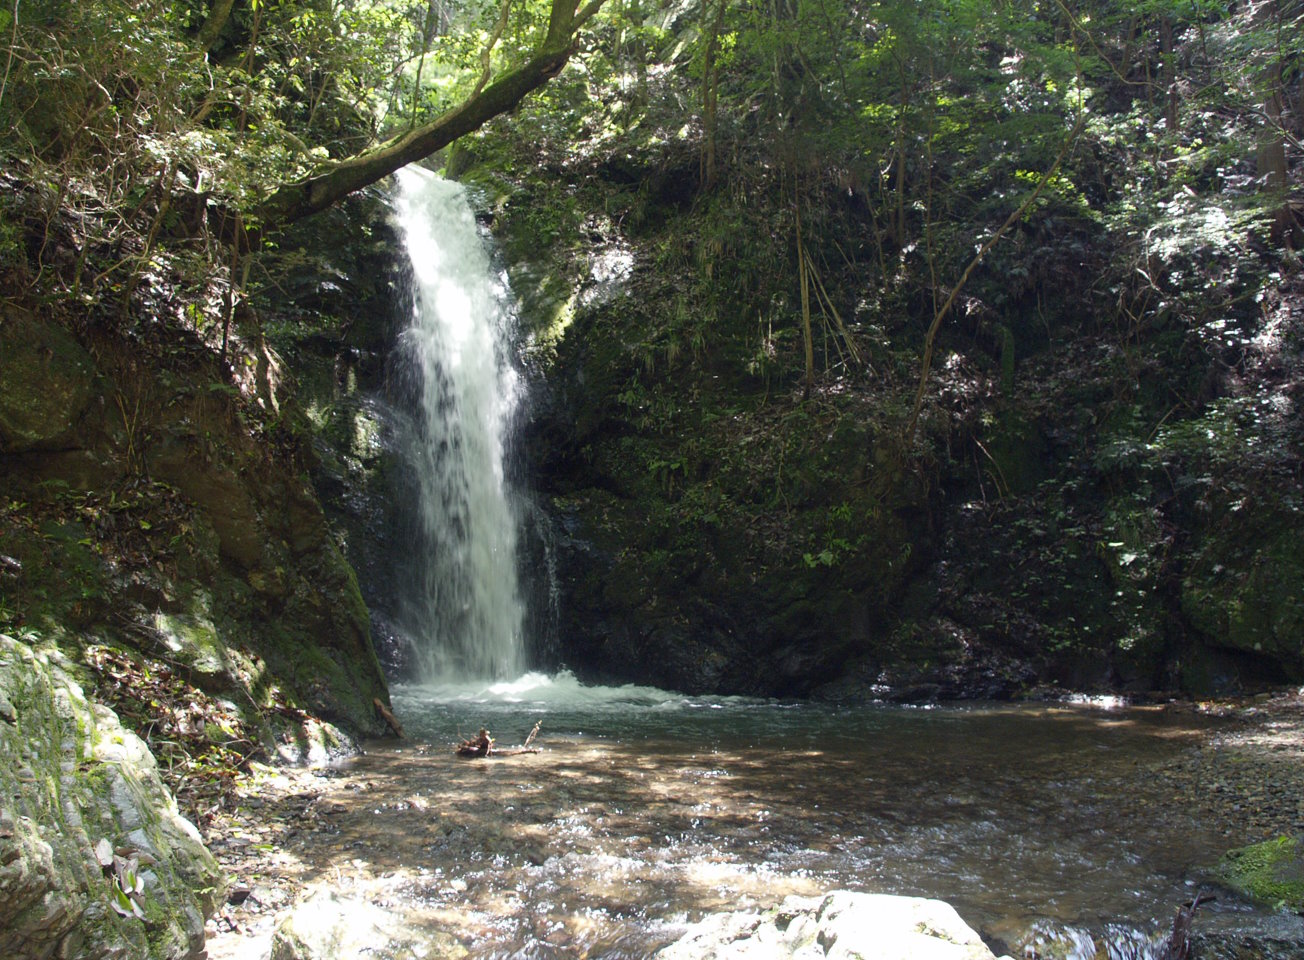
(483, 745)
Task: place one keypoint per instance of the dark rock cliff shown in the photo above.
(1073, 510)
(142, 507)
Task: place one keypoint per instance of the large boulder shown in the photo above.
(841, 925)
(95, 859)
(1244, 591)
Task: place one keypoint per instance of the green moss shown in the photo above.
(1271, 872)
(1244, 590)
(555, 310)
(194, 640)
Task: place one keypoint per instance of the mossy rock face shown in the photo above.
(71, 777)
(1247, 593)
(194, 641)
(223, 494)
(1271, 872)
(48, 382)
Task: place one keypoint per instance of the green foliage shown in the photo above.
(848, 529)
(139, 152)
(886, 141)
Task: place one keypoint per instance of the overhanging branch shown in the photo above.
(319, 191)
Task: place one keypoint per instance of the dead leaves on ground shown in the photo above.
(202, 743)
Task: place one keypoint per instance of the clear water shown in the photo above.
(1050, 828)
(463, 609)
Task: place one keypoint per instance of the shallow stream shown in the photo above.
(1054, 829)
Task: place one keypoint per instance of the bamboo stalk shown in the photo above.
(837, 317)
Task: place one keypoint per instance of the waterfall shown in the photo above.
(464, 613)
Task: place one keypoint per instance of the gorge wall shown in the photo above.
(1083, 504)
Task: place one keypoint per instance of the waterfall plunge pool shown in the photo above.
(1064, 830)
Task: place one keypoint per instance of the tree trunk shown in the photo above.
(218, 14)
(1271, 163)
(631, 50)
(710, 96)
(808, 341)
(899, 222)
(1270, 153)
(1168, 74)
(294, 201)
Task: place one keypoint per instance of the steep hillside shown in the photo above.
(800, 440)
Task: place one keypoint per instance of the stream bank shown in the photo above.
(166, 559)
(565, 848)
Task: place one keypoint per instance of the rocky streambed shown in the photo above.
(1248, 777)
(1056, 830)
(615, 846)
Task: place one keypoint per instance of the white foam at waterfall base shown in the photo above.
(560, 690)
(465, 615)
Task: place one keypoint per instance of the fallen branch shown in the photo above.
(482, 745)
(391, 721)
(1178, 944)
(525, 747)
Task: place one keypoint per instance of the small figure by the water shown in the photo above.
(481, 745)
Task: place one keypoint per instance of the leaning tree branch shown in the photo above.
(318, 191)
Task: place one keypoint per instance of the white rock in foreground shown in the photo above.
(838, 926)
(330, 927)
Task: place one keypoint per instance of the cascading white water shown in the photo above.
(466, 619)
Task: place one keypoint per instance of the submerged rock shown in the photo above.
(95, 859)
(328, 927)
(841, 925)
